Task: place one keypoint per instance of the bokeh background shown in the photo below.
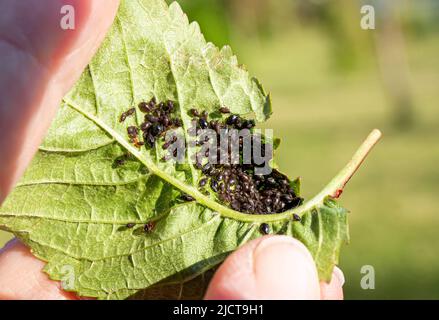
(331, 83)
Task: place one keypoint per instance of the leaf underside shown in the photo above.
(72, 205)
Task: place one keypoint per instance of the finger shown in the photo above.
(40, 61)
(334, 289)
(272, 267)
(21, 276)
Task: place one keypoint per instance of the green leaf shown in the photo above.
(73, 204)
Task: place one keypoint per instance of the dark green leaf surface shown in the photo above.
(73, 204)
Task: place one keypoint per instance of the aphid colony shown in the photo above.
(242, 190)
(237, 185)
(157, 121)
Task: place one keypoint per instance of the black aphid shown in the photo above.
(167, 144)
(126, 114)
(145, 126)
(156, 129)
(207, 168)
(119, 162)
(151, 118)
(132, 131)
(177, 122)
(194, 112)
(296, 202)
(165, 121)
(152, 103)
(224, 110)
(202, 182)
(264, 228)
(204, 115)
(238, 123)
(296, 217)
(236, 205)
(203, 123)
(169, 106)
(148, 227)
(186, 197)
(144, 107)
(130, 112)
(130, 225)
(249, 124)
(198, 166)
(232, 119)
(214, 185)
(149, 139)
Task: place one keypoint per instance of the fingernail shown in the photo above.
(284, 269)
(337, 273)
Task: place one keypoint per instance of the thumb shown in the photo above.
(272, 267)
(21, 276)
(40, 61)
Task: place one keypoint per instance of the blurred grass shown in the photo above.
(322, 116)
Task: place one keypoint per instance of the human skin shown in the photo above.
(39, 62)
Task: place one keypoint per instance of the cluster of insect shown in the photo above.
(238, 185)
(158, 120)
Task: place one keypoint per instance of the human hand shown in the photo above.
(272, 267)
(39, 63)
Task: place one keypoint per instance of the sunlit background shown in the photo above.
(331, 83)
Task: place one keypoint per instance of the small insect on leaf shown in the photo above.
(194, 112)
(264, 228)
(148, 227)
(186, 197)
(224, 110)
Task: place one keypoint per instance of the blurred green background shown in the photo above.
(331, 83)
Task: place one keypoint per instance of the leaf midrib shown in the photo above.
(190, 190)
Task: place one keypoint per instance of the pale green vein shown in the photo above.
(320, 234)
(97, 104)
(75, 151)
(76, 183)
(156, 244)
